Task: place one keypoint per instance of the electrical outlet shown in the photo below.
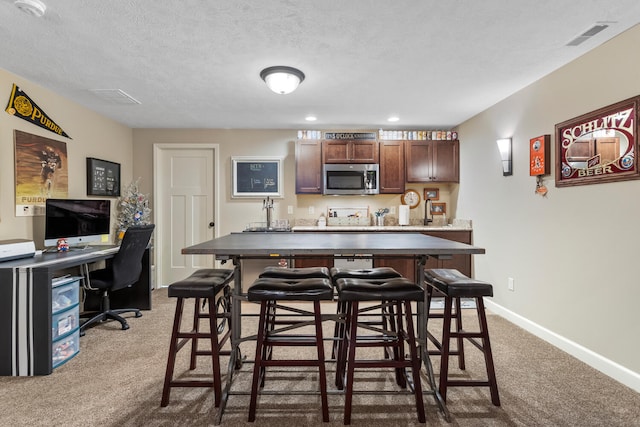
(290, 209)
(312, 210)
(510, 284)
(392, 210)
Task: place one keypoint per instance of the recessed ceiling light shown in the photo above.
(31, 7)
(311, 118)
(393, 119)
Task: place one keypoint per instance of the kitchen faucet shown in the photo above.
(268, 205)
(427, 212)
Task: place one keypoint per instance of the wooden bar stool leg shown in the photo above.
(215, 351)
(341, 356)
(488, 356)
(415, 368)
(352, 333)
(195, 329)
(257, 367)
(460, 339)
(322, 374)
(444, 352)
(173, 350)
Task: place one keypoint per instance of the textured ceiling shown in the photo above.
(196, 63)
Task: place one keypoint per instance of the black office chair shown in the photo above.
(123, 271)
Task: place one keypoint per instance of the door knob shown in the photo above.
(212, 224)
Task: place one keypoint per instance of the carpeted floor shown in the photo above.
(116, 380)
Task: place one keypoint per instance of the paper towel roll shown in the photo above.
(403, 215)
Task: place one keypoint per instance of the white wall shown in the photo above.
(92, 136)
(573, 253)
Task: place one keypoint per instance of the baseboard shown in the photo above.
(608, 367)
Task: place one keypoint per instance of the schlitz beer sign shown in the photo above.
(600, 146)
(20, 105)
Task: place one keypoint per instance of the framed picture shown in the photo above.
(600, 146)
(103, 178)
(431, 193)
(257, 176)
(438, 208)
(539, 155)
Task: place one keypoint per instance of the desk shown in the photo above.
(25, 305)
(237, 247)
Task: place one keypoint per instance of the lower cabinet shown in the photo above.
(406, 266)
(461, 263)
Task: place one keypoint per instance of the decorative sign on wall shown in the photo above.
(257, 176)
(103, 178)
(41, 172)
(350, 135)
(600, 146)
(20, 105)
(539, 155)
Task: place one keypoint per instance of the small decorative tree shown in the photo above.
(133, 209)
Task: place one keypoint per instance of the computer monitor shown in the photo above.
(80, 222)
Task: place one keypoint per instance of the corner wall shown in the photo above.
(573, 254)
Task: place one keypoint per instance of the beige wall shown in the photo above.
(574, 253)
(93, 136)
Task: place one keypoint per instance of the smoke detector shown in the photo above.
(31, 7)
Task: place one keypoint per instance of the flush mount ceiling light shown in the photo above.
(393, 119)
(282, 79)
(31, 7)
(311, 118)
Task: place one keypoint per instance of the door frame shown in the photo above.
(158, 149)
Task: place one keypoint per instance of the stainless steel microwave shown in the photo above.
(351, 178)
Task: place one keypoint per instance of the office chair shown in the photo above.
(124, 270)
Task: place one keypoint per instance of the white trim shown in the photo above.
(608, 367)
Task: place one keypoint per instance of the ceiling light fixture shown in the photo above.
(282, 79)
(393, 119)
(311, 118)
(31, 7)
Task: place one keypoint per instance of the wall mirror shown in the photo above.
(600, 146)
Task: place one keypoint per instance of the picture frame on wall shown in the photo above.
(432, 193)
(438, 208)
(257, 177)
(103, 178)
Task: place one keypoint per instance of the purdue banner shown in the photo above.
(26, 109)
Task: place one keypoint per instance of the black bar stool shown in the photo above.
(268, 291)
(375, 273)
(296, 273)
(397, 295)
(206, 285)
(454, 285)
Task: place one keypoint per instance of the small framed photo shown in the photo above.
(103, 178)
(438, 208)
(431, 193)
(257, 176)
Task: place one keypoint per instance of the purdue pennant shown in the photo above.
(22, 106)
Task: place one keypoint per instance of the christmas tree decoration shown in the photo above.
(133, 209)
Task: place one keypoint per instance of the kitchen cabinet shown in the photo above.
(461, 263)
(432, 161)
(350, 151)
(308, 167)
(314, 262)
(392, 171)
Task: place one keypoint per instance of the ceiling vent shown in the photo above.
(31, 7)
(116, 96)
(587, 34)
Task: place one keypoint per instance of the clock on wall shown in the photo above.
(411, 198)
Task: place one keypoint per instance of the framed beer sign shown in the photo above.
(598, 147)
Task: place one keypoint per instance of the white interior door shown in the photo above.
(186, 207)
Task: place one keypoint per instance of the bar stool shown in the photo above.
(296, 273)
(397, 294)
(268, 291)
(205, 284)
(375, 273)
(453, 285)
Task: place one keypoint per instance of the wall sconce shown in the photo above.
(281, 79)
(504, 145)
